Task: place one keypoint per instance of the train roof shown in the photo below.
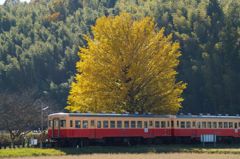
(145, 115)
(209, 116)
(111, 115)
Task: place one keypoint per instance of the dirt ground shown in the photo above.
(141, 156)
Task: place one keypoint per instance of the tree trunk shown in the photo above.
(12, 143)
(12, 137)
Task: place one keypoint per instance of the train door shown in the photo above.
(194, 129)
(92, 129)
(238, 125)
(151, 128)
(146, 130)
(145, 126)
(56, 128)
(236, 130)
(169, 127)
(172, 127)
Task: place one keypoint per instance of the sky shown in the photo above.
(2, 1)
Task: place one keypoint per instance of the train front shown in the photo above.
(56, 125)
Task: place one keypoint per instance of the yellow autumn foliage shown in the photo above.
(127, 66)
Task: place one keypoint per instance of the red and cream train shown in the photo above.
(80, 128)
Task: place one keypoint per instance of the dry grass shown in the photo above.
(142, 156)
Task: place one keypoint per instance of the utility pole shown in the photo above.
(42, 109)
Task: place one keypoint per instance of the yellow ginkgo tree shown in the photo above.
(128, 65)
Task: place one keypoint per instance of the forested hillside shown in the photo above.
(39, 42)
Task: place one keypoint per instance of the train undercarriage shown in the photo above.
(131, 141)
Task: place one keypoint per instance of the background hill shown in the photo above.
(39, 42)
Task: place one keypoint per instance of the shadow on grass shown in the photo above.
(223, 149)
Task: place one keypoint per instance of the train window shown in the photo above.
(99, 124)
(85, 124)
(139, 124)
(225, 124)
(239, 124)
(230, 125)
(177, 123)
(133, 124)
(50, 123)
(77, 124)
(145, 124)
(119, 124)
(150, 123)
(172, 124)
(188, 124)
(209, 125)
(157, 124)
(220, 125)
(214, 125)
(55, 123)
(126, 124)
(168, 124)
(63, 123)
(193, 124)
(235, 125)
(92, 123)
(71, 123)
(112, 124)
(163, 124)
(204, 124)
(199, 125)
(105, 124)
(182, 123)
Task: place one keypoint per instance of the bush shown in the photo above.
(5, 140)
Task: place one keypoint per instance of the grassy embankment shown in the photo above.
(141, 156)
(113, 149)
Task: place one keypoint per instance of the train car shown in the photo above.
(191, 127)
(78, 127)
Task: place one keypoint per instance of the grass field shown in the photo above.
(141, 150)
(143, 156)
(19, 152)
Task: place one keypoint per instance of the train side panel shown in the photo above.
(196, 130)
(63, 126)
